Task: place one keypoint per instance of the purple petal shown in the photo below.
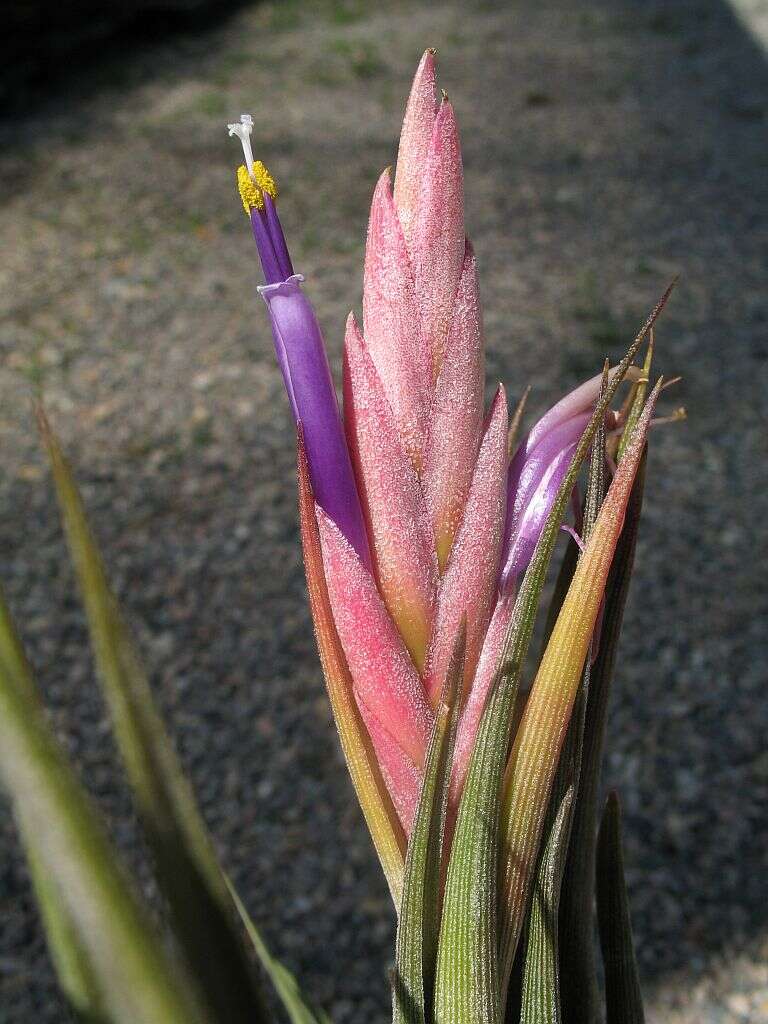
(538, 467)
(532, 483)
(266, 248)
(526, 535)
(278, 238)
(308, 381)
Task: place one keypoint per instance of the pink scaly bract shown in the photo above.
(473, 709)
(391, 320)
(383, 674)
(437, 240)
(403, 779)
(393, 503)
(457, 415)
(471, 579)
(415, 139)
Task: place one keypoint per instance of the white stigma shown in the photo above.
(243, 132)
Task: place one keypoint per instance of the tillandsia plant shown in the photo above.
(428, 529)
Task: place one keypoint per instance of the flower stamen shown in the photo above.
(258, 193)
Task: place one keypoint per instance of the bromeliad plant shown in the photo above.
(428, 530)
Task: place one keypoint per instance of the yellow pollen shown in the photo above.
(252, 187)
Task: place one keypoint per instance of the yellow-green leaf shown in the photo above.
(541, 1000)
(541, 994)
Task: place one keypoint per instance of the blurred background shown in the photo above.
(607, 147)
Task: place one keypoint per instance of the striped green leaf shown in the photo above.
(471, 984)
(540, 996)
(536, 751)
(467, 982)
(418, 924)
(638, 400)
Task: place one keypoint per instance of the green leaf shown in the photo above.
(541, 977)
(623, 999)
(76, 975)
(541, 998)
(593, 498)
(298, 1009)
(579, 992)
(418, 923)
(471, 981)
(102, 937)
(203, 915)
(534, 760)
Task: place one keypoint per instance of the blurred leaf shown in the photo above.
(380, 815)
(70, 959)
(188, 873)
(623, 999)
(286, 986)
(85, 894)
(418, 924)
(579, 993)
(539, 738)
(76, 975)
(541, 977)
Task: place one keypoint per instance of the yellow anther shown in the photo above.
(250, 193)
(253, 187)
(264, 180)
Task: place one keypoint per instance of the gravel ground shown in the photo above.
(608, 145)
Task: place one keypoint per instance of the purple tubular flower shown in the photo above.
(307, 375)
(301, 354)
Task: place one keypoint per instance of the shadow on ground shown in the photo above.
(607, 146)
